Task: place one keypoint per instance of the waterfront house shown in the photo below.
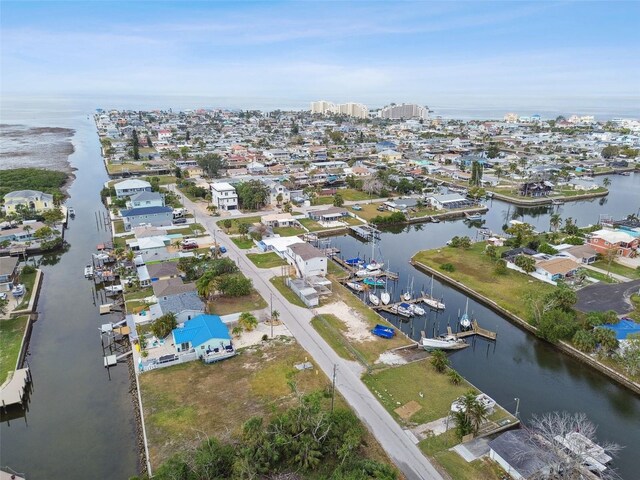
(155, 216)
(519, 455)
(330, 214)
(32, 200)
(401, 205)
(146, 199)
(307, 259)
(536, 189)
(21, 233)
(447, 201)
(224, 196)
(580, 253)
(130, 187)
(206, 334)
(278, 220)
(8, 273)
(625, 244)
(163, 271)
(582, 184)
(175, 296)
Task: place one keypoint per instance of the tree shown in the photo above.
(439, 361)
(610, 256)
(275, 316)
(563, 463)
(470, 416)
(162, 326)
(227, 223)
(610, 151)
(252, 194)
(501, 267)
(629, 356)
(476, 173)
(606, 339)
(51, 217)
(555, 221)
(493, 151)
(211, 164)
(338, 201)
(243, 228)
(491, 251)
(606, 182)
(3, 305)
(135, 145)
(521, 233)
(526, 263)
(44, 233)
(235, 285)
(288, 208)
(454, 377)
(149, 142)
(248, 321)
(584, 341)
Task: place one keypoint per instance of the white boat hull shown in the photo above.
(444, 343)
(374, 299)
(436, 305)
(385, 298)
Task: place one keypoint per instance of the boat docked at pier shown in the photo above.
(443, 342)
(374, 282)
(402, 309)
(355, 286)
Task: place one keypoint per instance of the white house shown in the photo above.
(224, 196)
(146, 199)
(581, 184)
(307, 259)
(130, 187)
(276, 189)
(447, 201)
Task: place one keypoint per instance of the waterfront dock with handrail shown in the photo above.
(13, 390)
(352, 269)
(366, 232)
(475, 330)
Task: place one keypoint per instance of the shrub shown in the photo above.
(28, 269)
(447, 267)
(501, 267)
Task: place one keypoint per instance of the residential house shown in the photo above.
(536, 189)
(206, 334)
(582, 184)
(8, 273)
(278, 193)
(130, 187)
(163, 271)
(580, 253)
(331, 214)
(21, 233)
(278, 220)
(155, 216)
(556, 268)
(448, 201)
(401, 205)
(625, 244)
(519, 456)
(224, 196)
(175, 296)
(29, 200)
(146, 199)
(307, 259)
(390, 156)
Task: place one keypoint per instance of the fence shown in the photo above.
(157, 363)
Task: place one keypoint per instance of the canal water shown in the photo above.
(79, 423)
(519, 365)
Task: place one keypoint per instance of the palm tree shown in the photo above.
(248, 321)
(555, 221)
(606, 182)
(439, 361)
(275, 316)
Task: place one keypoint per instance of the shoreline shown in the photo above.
(562, 346)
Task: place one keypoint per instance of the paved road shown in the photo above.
(602, 297)
(402, 451)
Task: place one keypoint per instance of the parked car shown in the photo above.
(189, 245)
(356, 207)
(179, 220)
(381, 208)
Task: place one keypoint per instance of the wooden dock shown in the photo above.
(366, 232)
(390, 308)
(352, 270)
(475, 330)
(13, 390)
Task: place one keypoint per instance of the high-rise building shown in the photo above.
(511, 117)
(351, 109)
(404, 111)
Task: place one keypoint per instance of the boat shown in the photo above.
(474, 216)
(435, 220)
(72, 212)
(374, 265)
(358, 287)
(431, 302)
(356, 261)
(372, 282)
(88, 271)
(363, 272)
(383, 331)
(557, 201)
(416, 309)
(624, 173)
(385, 298)
(17, 290)
(443, 342)
(489, 194)
(406, 296)
(373, 298)
(403, 309)
(465, 321)
(113, 289)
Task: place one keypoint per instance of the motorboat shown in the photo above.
(373, 282)
(434, 304)
(71, 212)
(373, 298)
(358, 287)
(475, 216)
(383, 331)
(114, 289)
(556, 201)
(18, 290)
(365, 272)
(416, 309)
(385, 298)
(443, 342)
(88, 271)
(356, 261)
(403, 309)
(374, 265)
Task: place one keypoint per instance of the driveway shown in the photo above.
(602, 297)
(398, 445)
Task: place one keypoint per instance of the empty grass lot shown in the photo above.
(11, 333)
(266, 260)
(243, 242)
(617, 269)
(235, 222)
(331, 330)
(227, 305)
(312, 225)
(476, 271)
(288, 231)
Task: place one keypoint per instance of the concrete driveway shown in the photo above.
(602, 297)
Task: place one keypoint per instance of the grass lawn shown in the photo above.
(11, 333)
(349, 220)
(334, 269)
(227, 305)
(191, 229)
(118, 226)
(28, 279)
(330, 329)
(397, 386)
(121, 242)
(369, 211)
(266, 260)
(135, 306)
(312, 225)
(139, 294)
(476, 271)
(603, 277)
(113, 168)
(186, 403)
(286, 292)
(617, 269)
(235, 222)
(437, 448)
(243, 242)
(164, 179)
(288, 231)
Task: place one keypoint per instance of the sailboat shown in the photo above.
(373, 282)
(358, 287)
(432, 302)
(373, 298)
(373, 265)
(407, 295)
(443, 342)
(416, 309)
(465, 321)
(384, 296)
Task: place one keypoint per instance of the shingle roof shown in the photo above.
(519, 451)
(145, 211)
(200, 329)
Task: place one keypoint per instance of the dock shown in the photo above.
(353, 269)
(475, 330)
(13, 390)
(391, 307)
(366, 232)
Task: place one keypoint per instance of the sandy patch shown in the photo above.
(254, 337)
(391, 358)
(357, 328)
(408, 409)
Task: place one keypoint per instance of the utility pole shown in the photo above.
(271, 314)
(517, 406)
(333, 386)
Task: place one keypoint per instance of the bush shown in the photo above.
(546, 248)
(447, 267)
(235, 285)
(394, 218)
(28, 269)
(501, 267)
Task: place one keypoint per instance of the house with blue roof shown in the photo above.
(206, 334)
(155, 215)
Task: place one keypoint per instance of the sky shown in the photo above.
(372, 52)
